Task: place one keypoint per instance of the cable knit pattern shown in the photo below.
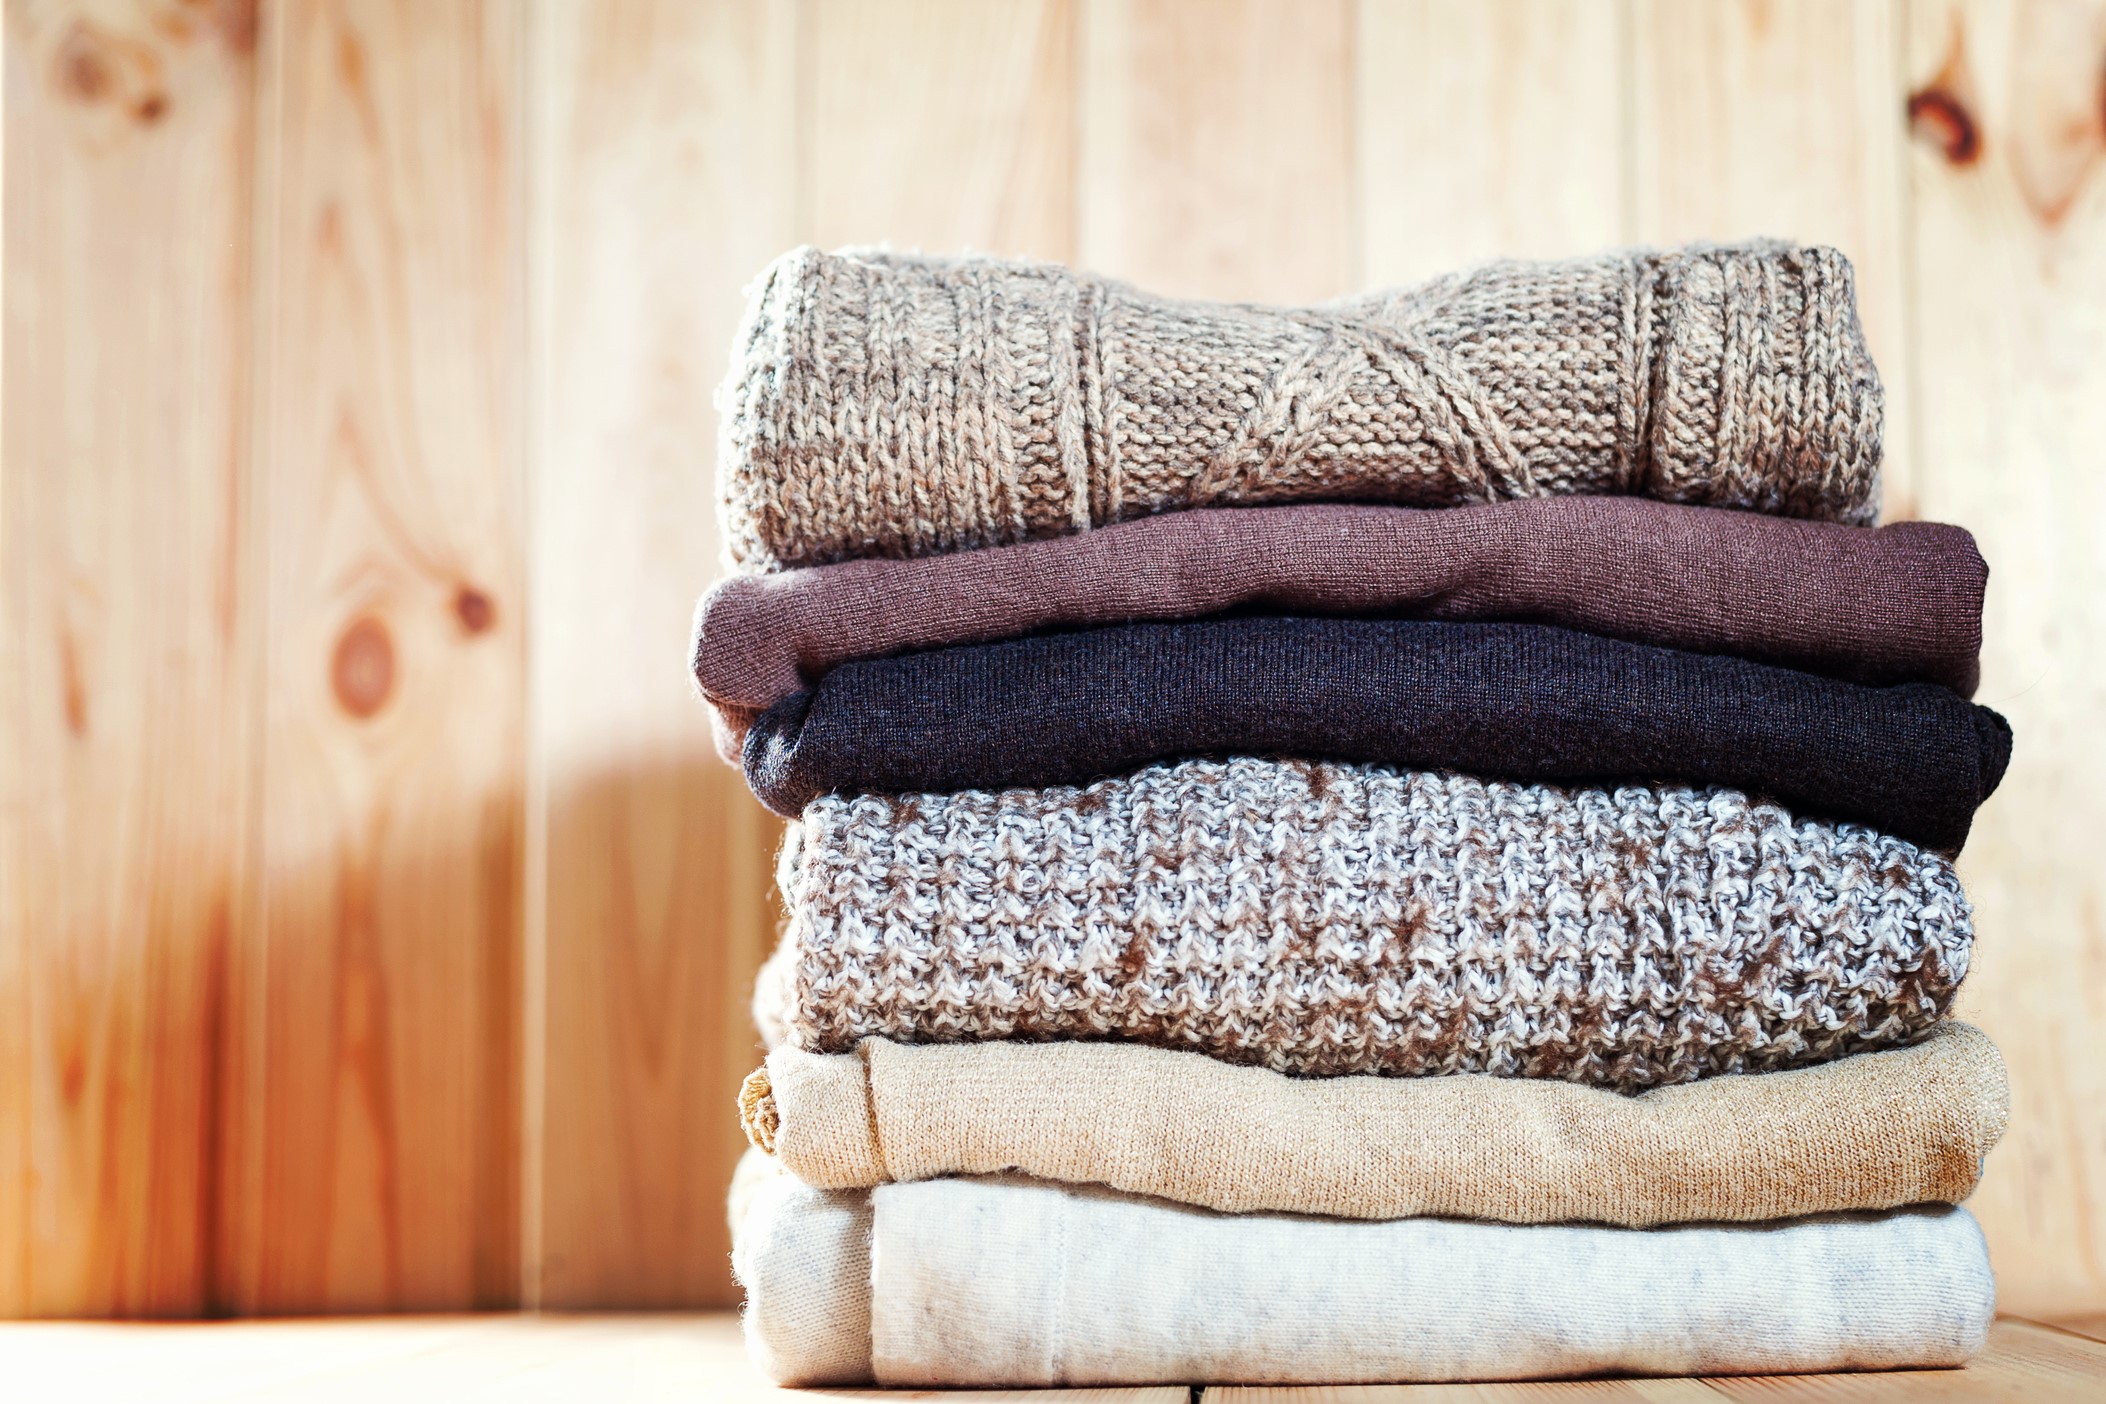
(1329, 919)
(892, 405)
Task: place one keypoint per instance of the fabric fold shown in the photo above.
(1871, 1131)
(1333, 919)
(1012, 1282)
(803, 1257)
(1519, 702)
(883, 404)
(1899, 603)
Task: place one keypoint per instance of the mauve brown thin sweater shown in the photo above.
(1503, 701)
(1900, 603)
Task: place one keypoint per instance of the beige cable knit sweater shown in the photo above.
(884, 404)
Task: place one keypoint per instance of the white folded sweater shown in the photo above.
(1011, 1282)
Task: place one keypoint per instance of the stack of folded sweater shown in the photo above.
(1408, 840)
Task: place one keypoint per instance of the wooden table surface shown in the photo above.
(519, 1358)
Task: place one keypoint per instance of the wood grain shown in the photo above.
(945, 125)
(2010, 287)
(664, 173)
(2021, 1361)
(1515, 1392)
(126, 645)
(1487, 130)
(1217, 147)
(493, 1359)
(1778, 117)
(508, 1359)
(380, 1147)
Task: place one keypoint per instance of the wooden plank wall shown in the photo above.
(374, 919)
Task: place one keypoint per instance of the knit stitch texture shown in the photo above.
(1872, 1131)
(1014, 1282)
(1898, 603)
(1328, 919)
(1505, 701)
(883, 404)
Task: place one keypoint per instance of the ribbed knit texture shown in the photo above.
(1507, 701)
(1332, 919)
(1899, 603)
(881, 404)
(1872, 1131)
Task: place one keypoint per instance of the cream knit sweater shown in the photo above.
(1326, 919)
(1014, 1282)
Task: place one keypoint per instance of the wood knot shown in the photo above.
(362, 672)
(236, 20)
(74, 690)
(83, 66)
(93, 66)
(474, 609)
(351, 61)
(1938, 116)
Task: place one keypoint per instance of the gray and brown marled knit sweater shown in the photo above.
(891, 405)
(1328, 919)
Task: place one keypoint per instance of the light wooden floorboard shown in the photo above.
(2022, 1361)
(2091, 1327)
(1588, 1391)
(515, 1359)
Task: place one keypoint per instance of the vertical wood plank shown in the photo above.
(2009, 176)
(944, 124)
(1776, 117)
(1218, 147)
(664, 175)
(125, 643)
(383, 1140)
(1487, 130)
(15, 1006)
